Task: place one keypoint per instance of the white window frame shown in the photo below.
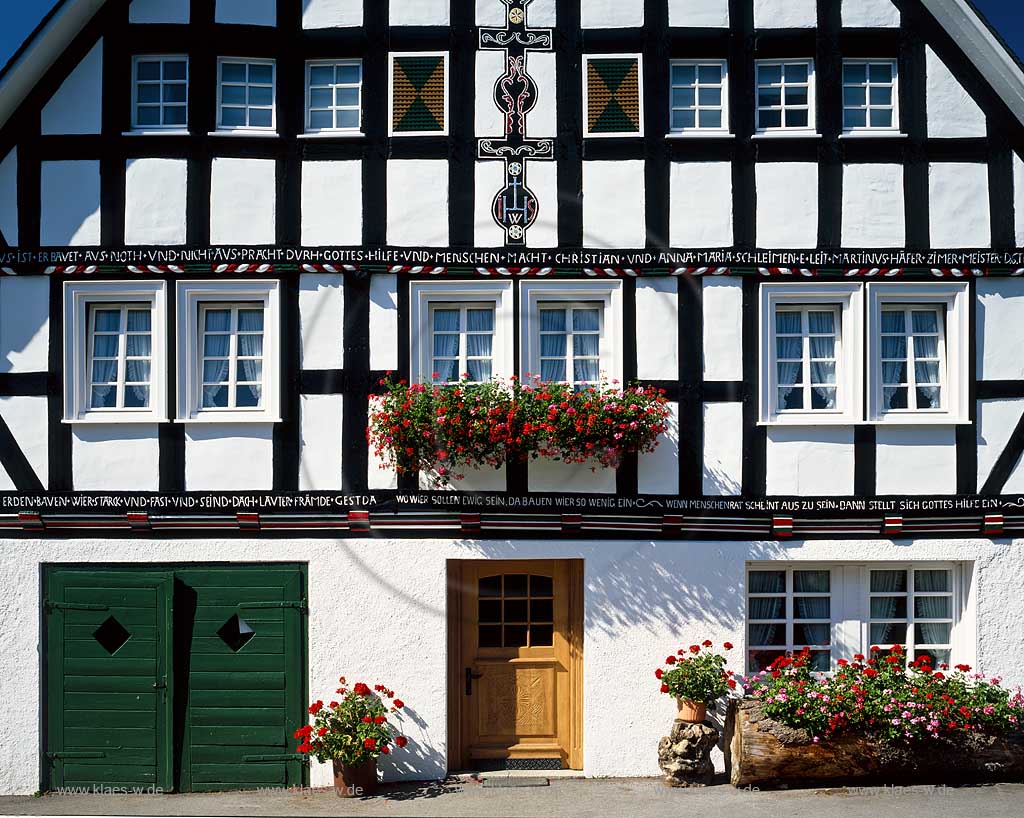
(79, 296)
(606, 294)
(310, 65)
(851, 605)
(811, 129)
(391, 93)
(246, 61)
(161, 58)
(955, 594)
(954, 298)
(191, 296)
(586, 96)
(789, 620)
(697, 130)
(424, 296)
(849, 299)
(869, 128)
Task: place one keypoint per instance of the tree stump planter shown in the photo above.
(767, 755)
(685, 754)
(355, 782)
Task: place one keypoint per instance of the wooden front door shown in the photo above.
(519, 641)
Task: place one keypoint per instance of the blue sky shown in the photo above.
(23, 16)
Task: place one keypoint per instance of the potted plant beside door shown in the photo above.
(696, 677)
(352, 733)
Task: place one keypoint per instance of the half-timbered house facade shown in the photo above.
(224, 223)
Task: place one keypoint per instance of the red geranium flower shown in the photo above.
(659, 673)
(671, 660)
(370, 744)
(316, 707)
(401, 741)
(360, 689)
(384, 749)
(379, 719)
(399, 703)
(707, 643)
(727, 645)
(664, 688)
(367, 720)
(732, 684)
(694, 648)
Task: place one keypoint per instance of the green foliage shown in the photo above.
(697, 674)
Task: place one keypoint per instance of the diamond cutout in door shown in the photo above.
(236, 633)
(111, 635)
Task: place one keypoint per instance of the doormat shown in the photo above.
(510, 781)
(533, 763)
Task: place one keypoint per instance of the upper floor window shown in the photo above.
(870, 98)
(807, 341)
(612, 95)
(785, 95)
(912, 355)
(246, 95)
(462, 342)
(160, 93)
(114, 354)
(699, 96)
(570, 342)
(333, 96)
(228, 351)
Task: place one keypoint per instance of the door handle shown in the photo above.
(470, 676)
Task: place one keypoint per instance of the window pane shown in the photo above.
(586, 345)
(933, 581)
(552, 320)
(821, 322)
(233, 117)
(812, 634)
(217, 320)
(216, 346)
(809, 582)
(854, 96)
(791, 398)
(139, 346)
(823, 372)
(769, 119)
(542, 635)
(516, 585)
(215, 371)
(479, 345)
(888, 582)
(893, 321)
(759, 660)
(812, 607)
(585, 371)
(796, 96)
(932, 633)
(684, 119)
(710, 74)
(541, 585)
(480, 320)
(855, 119)
(552, 345)
(348, 119)
(250, 320)
(926, 346)
(796, 72)
(767, 582)
(103, 397)
(767, 608)
(933, 607)
(174, 93)
(446, 320)
(446, 346)
(104, 372)
(925, 321)
(348, 74)
(710, 96)
(148, 93)
(249, 396)
(787, 322)
(790, 374)
(684, 74)
(928, 397)
(147, 70)
(261, 119)
(881, 95)
(346, 97)
(894, 374)
(479, 370)
(822, 348)
(233, 72)
(881, 118)
(769, 74)
(516, 610)
(796, 119)
(770, 97)
(823, 397)
(447, 371)
(105, 346)
(894, 347)
(552, 370)
(107, 320)
(250, 346)
(321, 98)
(888, 633)
(766, 634)
(889, 607)
(249, 371)
(515, 636)
(855, 73)
(789, 349)
(711, 119)
(321, 75)
(215, 397)
(586, 320)
(136, 397)
(175, 115)
(261, 73)
(927, 372)
(894, 398)
(320, 120)
(175, 69)
(881, 72)
(261, 96)
(147, 116)
(137, 371)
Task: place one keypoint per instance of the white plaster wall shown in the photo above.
(874, 210)
(642, 600)
(418, 12)
(870, 14)
(700, 204)
(541, 13)
(380, 477)
(952, 112)
(322, 320)
(489, 179)
(614, 208)
(542, 177)
(243, 198)
(573, 478)
(229, 457)
(485, 479)
(418, 202)
(491, 13)
(320, 448)
(810, 462)
(657, 329)
(332, 13)
(156, 199)
(916, 460)
(24, 324)
(543, 119)
(611, 13)
(698, 13)
(723, 449)
(9, 198)
(658, 471)
(27, 419)
(384, 322)
(959, 205)
(490, 65)
(785, 14)
(69, 207)
(77, 106)
(1000, 329)
(1018, 198)
(159, 11)
(787, 204)
(996, 421)
(247, 12)
(723, 329)
(113, 457)
(332, 203)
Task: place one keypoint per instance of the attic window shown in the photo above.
(160, 93)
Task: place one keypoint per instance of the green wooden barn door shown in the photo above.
(245, 677)
(109, 679)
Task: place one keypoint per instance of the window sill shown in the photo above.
(873, 135)
(332, 135)
(115, 420)
(907, 421)
(700, 135)
(241, 133)
(233, 418)
(168, 132)
(787, 135)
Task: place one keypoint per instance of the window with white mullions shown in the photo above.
(120, 356)
(246, 95)
(914, 608)
(232, 356)
(806, 356)
(785, 95)
(333, 96)
(698, 96)
(160, 92)
(570, 343)
(870, 100)
(462, 342)
(788, 610)
(912, 354)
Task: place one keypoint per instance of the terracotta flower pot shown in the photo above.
(690, 711)
(355, 782)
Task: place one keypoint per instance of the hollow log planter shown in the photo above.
(759, 759)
